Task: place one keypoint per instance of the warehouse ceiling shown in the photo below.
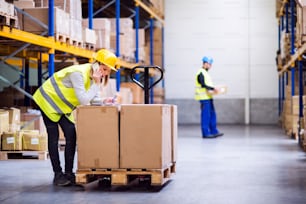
(127, 10)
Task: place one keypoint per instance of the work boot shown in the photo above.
(219, 134)
(60, 179)
(209, 136)
(71, 177)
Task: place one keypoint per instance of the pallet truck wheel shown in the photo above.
(104, 182)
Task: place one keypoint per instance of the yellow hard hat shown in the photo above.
(106, 57)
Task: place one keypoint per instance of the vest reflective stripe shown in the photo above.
(60, 94)
(50, 101)
(55, 99)
(202, 93)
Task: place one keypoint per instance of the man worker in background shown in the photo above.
(204, 91)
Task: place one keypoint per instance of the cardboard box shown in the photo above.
(14, 115)
(222, 89)
(145, 136)
(61, 21)
(126, 96)
(89, 36)
(34, 142)
(137, 91)
(98, 137)
(33, 121)
(72, 7)
(103, 39)
(24, 4)
(11, 141)
(98, 23)
(174, 124)
(4, 121)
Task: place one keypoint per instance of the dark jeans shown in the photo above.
(208, 118)
(53, 136)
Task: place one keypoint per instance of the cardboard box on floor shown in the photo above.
(11, 141)
(97, 137)
(34, 141)
(145, 136)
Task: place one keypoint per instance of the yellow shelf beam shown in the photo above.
(50, 43)
(125, 64)
(47, 42)
(147, 9)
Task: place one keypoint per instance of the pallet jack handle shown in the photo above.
(146, 86)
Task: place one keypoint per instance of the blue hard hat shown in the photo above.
(209, 60)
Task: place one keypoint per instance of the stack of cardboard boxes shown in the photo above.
(31, 137)
(126, 136)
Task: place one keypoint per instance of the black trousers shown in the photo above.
(53, 136)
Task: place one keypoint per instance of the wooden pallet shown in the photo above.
(119, 177)
(6, 20)
(62, 38)
(76, 43)
(40, 155)
(89, 46)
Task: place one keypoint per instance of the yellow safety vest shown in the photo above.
(55, 99)
(200, 92)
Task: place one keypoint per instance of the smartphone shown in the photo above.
(95, 66)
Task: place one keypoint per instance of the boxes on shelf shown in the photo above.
(138, 93)
(24, 4)
(145, 136)
(127, 38)
(89, 36)
(7, 9)
(72, 7)
(97, 137)
(127, 48)
(102, 28)
(61, 21)
(126, 96)
(98, 23)
(76, 34)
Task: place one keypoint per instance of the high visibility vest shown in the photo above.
(200, 92)
(55, 99)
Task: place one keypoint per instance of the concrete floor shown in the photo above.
(249, 165)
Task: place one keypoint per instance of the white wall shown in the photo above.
(241, 36)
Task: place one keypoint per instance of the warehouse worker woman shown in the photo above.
(60, 95)
(204, 91)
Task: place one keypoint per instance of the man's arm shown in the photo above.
(201, 80)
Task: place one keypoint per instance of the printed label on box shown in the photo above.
(10, 140)
(34, 141)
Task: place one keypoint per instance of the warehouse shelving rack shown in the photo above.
(290, 59)
(144, 16)
(41, 50)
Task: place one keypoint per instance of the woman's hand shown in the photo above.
(96, 75)
(110, 100)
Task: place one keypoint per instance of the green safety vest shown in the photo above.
(200, 92)
(55, 99)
